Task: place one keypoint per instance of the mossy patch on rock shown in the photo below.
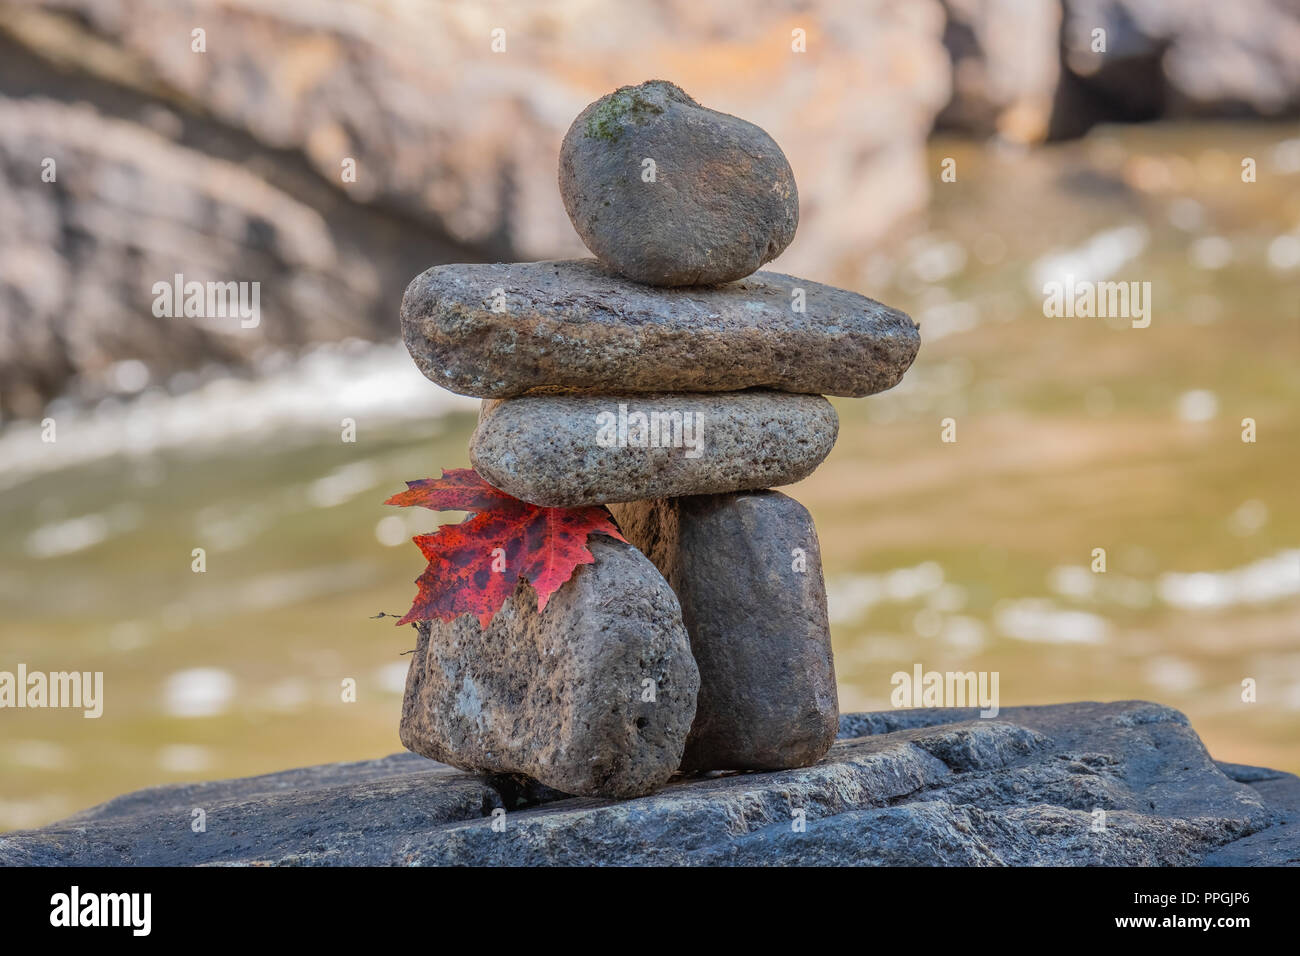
(629, 105)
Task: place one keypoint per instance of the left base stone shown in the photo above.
(594, 696)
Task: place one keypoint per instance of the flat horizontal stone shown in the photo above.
(747, 570)
(593, 696)
(496, 331)
(563, 451)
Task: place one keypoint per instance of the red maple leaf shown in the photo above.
(475, 565)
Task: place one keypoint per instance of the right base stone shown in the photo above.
(746, 568)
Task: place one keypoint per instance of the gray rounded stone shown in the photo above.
(567, 450)
(747, 571)
(671, 193)
(560, 696)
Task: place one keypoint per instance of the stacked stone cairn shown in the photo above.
(670, 381)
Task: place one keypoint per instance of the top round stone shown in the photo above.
(670, 193)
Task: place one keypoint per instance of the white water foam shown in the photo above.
(369, 383)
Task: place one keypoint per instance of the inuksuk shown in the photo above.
(669, 380)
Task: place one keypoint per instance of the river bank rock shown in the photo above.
(413, 145)
(928, 787)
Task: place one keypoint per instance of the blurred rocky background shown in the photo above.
(228, 163)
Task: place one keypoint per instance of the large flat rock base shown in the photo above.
(907, 787)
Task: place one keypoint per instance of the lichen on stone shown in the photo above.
(626, 105)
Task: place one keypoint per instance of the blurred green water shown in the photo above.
(1072, 434)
